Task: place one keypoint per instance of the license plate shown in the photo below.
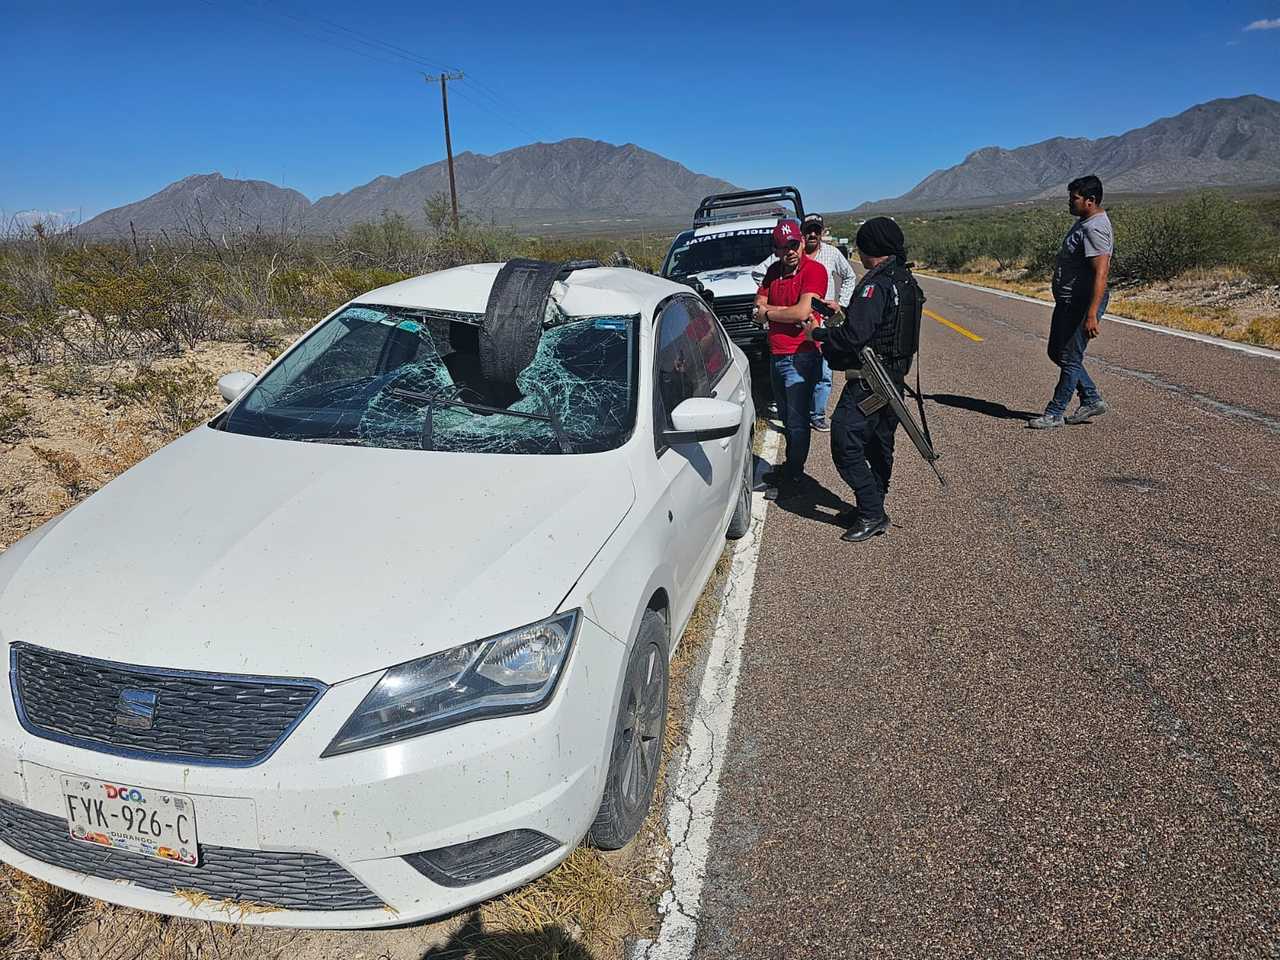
(133, 819)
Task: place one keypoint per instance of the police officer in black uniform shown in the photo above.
(885, 315)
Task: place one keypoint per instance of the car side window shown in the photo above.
(705, 331)
(681, 370)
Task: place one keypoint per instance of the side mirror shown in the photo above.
(699, 419)
(231, 385)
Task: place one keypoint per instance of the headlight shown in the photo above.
(514, 672)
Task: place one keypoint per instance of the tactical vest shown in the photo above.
(897, 338)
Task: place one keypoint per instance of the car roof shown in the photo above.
(728, 226)
(594, 291)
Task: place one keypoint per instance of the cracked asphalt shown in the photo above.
(1039, 718)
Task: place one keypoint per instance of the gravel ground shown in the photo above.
(1038, 718)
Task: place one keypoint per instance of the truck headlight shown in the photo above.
(514, 672)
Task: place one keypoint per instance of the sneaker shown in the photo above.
(1047, 421)
(821, 425)
(1087, 411)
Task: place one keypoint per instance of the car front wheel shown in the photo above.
(637, 739)
(740, 523)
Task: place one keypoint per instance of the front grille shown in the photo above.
(735, 315)
(293, 881)
(194, 717)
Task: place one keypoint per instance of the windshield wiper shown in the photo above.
(548, 417)
(337, 441)
(427, 440)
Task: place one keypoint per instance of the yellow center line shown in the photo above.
(954, 326)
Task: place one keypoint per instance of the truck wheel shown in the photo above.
(637, 739)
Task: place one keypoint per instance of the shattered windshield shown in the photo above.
(411, 379)
(717, 251)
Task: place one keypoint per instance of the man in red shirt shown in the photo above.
(784, 302)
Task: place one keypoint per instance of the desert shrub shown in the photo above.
(123, 308)
(264, 335)
(1264, 266)
(389, 244)
(69, 380)
(1160, 241)
(1044, 233)
(69, 471)
(1005, 244)
(16, 421)
(30, 315)
(176, 398)
(309, 291)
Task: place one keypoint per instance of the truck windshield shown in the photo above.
(381, 376)
(692, 254)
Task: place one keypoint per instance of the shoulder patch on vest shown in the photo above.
(868, 291)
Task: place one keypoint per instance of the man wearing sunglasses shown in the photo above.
(784, 303)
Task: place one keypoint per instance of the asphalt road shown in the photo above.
(1039, 718)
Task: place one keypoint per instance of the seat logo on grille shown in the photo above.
(136, 709)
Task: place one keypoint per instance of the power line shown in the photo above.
(333, 41)
(391, 48)
(380, 51)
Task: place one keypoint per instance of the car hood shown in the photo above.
(730, 282)
(240, 554)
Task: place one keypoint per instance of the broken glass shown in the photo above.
(412, 379)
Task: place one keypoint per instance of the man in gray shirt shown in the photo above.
(1080, 299)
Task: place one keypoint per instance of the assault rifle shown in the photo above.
(884, 393)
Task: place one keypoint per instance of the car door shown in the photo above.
(699, 477)
(727, 383)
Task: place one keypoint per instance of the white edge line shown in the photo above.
(1141, 325)
(696, 784)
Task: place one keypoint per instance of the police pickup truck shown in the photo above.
(719, 257)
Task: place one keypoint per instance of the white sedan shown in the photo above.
(390, 635)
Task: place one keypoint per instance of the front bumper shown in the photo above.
(363, 811)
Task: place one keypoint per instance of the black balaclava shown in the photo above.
(881, 237)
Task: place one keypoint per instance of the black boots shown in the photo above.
(866, 529)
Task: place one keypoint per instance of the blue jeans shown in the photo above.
(1067, 344)
(794, 377)
(821, 394)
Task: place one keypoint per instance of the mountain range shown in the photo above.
(1230, 142)
(573, 179)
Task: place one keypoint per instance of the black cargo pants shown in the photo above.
(862, 448)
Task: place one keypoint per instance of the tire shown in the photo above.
(740, 523)
(638, 735)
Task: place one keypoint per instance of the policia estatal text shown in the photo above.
(884, 314)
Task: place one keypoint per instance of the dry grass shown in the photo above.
(34, 914)
(1214, 321)
(116, 933)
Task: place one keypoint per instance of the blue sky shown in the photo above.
(107, 102)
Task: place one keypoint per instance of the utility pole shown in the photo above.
(443, 80)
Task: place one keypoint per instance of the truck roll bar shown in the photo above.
(746, 198)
